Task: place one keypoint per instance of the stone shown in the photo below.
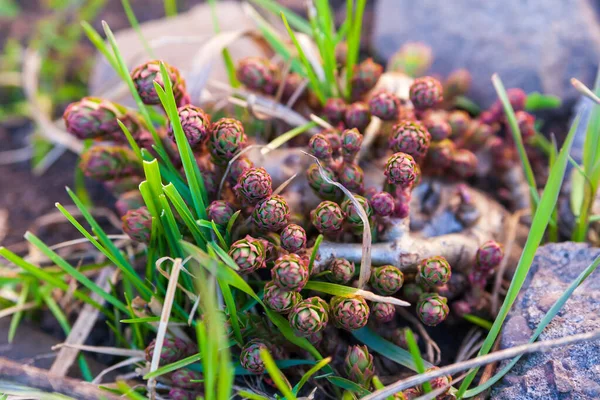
(532, 44)
(571, 372)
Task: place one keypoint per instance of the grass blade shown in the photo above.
(170, 8)
(416, 355)
(277, 376)
(539, 224)
(310, 373)
(16, 319)
(355, 16)
(296, 20)
(136, 26)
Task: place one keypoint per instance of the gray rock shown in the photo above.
(572, 372)
(532, 44)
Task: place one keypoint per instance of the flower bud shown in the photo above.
(349, 313)
(438, 128)
(365, 77)
(410, 137)
(254, 185)
(320, 147)
(220, 212)
(173, 349)
(293, 238)
(290, 273)
(195, 123)
(412, 292)
(226, 139)
(137, 224)
(258, 73)
(357, 116)
(250, 356)
(386, 280)
(249, 254)
(464, 163)
(489, 255)
(334, 110)
(351, 142)
(109, 162)
(432, 309)
(342, 271)
(459, 121)
(401, 169)
(358, 365)
(129, 200)
(280, 300)
(351, 176)
(143, 79)
(384, 105)
(328, 217)
(383, 312)
(352, 214)
(434, 271)
(92, 117)
(321, 187)
(309, 316)
(426, 92)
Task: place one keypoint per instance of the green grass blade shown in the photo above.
(536, 101)
(232, 309)
(275, 374)
(539, 224)
(387, 349)
(190, 166)
(16, 318)
(296, 20)
(222, 254)
(474, 319)
(315, 251)
(355, 16)
(518, 139)
(185, 213)
(132, 143)
(69, 269)
(310, 373)
(287, 136)
(165, 369)
(170, 8)
(98, 42)
(51, 279)
(413, 347)
(136, 26)
(227, 59)
(251, 396)
(347, 384)
(312, 77)
(591, 148)
(552, 312)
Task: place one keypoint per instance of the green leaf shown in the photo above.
(474, 319)
(312, 77)
(16, 318)
(536, 101)
(518, 139)
(170, 8)
(413, 347)
(387, 349)
(348, 385)
(231, 308)
(310, 373)
(539, 224)
(165, 369)
(467, 104)
(136, 27)
(275, 374)
(296, 20)
(552, 312)
(355, 16)
(315, 251)
(252, 396)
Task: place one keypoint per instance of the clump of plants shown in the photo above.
(238, 273)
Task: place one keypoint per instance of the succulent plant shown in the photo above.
(458, 83)
(279, 300)
(342, 271)
(489, 255)
(434, 271)
(440, 155)
(357, 115)
(358, 365)
(352, 176)
(352, 214)
(334, 110)
(412, 393)
(309, 316)
(92, 117)
(238, 167)
(398, 337)
(211, 180)
(258, 73)
(320, 147)
(250, 356)
(365, 77)
(272, 214)
(129, 200)
(464, 163)
(227, 137)
(439, 382)
(316, 338)
(385, 105)
(137, 224)
(249, 254)
(183, 378)
(328, 217)
(173, 349)
(383, 204)
(387, 279)
(461, 307)
(526, 123)
(432, 309)
(479, 134)
(334, 138)
(195, 124)
(412, 292)
(220, 211)
(438, 128)
(254, 185)
(413, 58)
(410, 137)
(146, 74)
(109, 162)
(293, 238)
(478, 278)
(349, 313)
(176, 393)
(401, 169)
(292, 83)
(322, 188)
(351, 142)
(426, 92)
(290, 272)
(383, 312)
(459, 121)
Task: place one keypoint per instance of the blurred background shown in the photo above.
(46, 62)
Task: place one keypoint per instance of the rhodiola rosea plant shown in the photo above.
(246, 280)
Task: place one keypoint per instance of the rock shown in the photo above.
(531, 44)
(572, 372)
(184, 41)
